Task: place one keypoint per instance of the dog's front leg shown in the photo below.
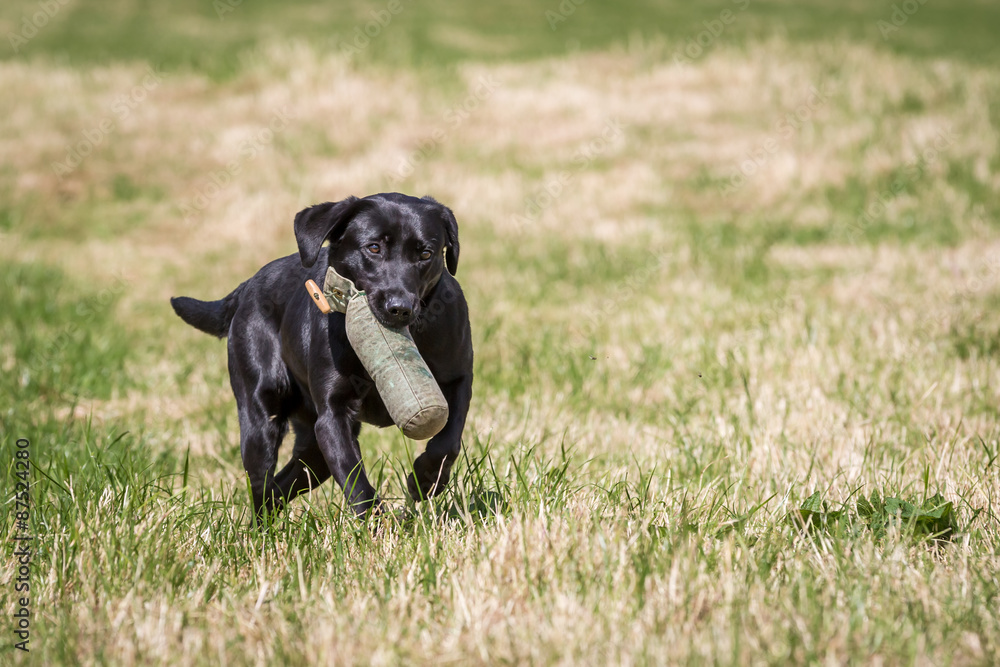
(432, 469)
(337, 435)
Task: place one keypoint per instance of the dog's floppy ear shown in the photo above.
(316, 224)
(451, 234)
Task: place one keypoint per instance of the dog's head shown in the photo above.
(392, 246)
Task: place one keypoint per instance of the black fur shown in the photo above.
(291, 365)
(212, 317)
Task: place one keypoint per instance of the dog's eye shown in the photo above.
(426, 254)
(374, 248)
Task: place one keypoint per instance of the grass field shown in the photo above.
(718, 263)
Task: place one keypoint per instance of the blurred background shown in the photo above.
(740, 251)
(210, 36)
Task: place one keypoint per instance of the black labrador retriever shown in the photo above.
(289, 363)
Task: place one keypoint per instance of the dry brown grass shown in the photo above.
(836, 370)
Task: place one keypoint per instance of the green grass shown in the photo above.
(66, 341)
(215, 37)
(706, 428)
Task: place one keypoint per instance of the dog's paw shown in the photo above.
(429, 477)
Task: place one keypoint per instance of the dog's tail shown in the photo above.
(212, 317)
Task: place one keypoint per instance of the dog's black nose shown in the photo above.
(400, 310)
